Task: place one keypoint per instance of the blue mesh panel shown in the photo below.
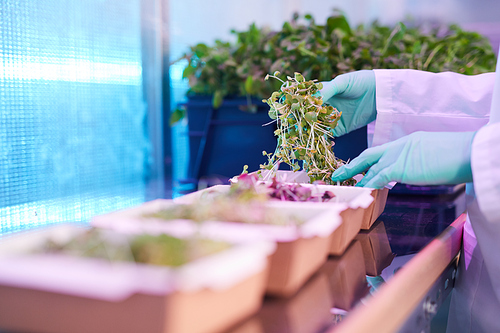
(73, 139)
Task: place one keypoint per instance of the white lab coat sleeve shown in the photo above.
(483, 289)
(410, 100)
(485, 162)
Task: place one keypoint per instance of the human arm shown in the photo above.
(404, 101)
(411, 100)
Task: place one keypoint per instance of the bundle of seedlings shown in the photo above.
(304, 124)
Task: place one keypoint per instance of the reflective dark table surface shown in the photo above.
(408, 223)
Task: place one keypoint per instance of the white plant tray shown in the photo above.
(345, 196)
(100, 279)
(319, 220)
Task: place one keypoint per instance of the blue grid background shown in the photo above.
(73, 138)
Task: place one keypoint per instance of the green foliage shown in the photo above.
(304, 129)
(166, 250)
(324, 51)
(177, 115)
(163, 250)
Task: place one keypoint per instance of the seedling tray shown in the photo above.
(300, 251)
(354, 203)
(63, 293)
(371, 213)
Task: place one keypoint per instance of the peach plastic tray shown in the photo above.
(354, 203)
(62, 293)
(301, 249)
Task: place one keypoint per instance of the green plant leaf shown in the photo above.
(338, 22)
(287, 27)
(201, 50)
(417, 47)
(311, 116)
(217, 99)
(188, 71)
(400, 31)
(298, 77)
(249, 85)
(333, 124)
(177, 115)
(299, 154)
(305, 52)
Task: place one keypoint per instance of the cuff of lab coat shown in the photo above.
(485, 162)
(385, 108)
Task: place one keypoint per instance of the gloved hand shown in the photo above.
(421, 158)
(354, 95)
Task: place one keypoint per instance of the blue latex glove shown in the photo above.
(354, 95)
(421, 158)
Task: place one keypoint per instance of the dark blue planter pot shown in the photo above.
(223, 140)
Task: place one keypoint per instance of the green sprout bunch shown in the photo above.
(304, 125)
